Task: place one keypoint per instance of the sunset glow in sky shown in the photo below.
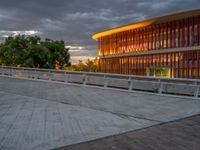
(74, 21)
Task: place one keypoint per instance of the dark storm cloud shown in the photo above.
(74, 21)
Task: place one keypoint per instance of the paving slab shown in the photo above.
(147, 106)
(32, 123)
(182, 134)
(43, 115)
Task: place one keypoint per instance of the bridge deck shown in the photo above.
(44, 115)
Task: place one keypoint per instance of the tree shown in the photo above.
(92, 65)
(80, 66)
(32, 52)
(89, 65)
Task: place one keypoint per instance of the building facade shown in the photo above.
(168, 46)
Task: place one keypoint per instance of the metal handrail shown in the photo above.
(103, 74)
(80, 77)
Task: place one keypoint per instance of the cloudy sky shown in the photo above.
(74, 21)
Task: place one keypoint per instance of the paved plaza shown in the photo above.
(45, 115)
(183, 134)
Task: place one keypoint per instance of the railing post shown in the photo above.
(161, 86)
(196, 93)
(66, 77)
(131, 84)
(105, 81)
(85, 79)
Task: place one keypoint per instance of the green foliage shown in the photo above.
(32, 52)
(92, 65)
(89, 66)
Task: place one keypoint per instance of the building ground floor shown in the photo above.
(178, 64)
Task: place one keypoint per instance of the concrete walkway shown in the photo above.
(43, 115)
(183, 134)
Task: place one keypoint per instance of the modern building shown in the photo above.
(167, 46)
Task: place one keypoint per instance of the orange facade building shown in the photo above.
(168, 46)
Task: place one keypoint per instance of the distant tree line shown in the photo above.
(31, 51)
(91, 65)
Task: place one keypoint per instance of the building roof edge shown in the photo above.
(157, 20)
